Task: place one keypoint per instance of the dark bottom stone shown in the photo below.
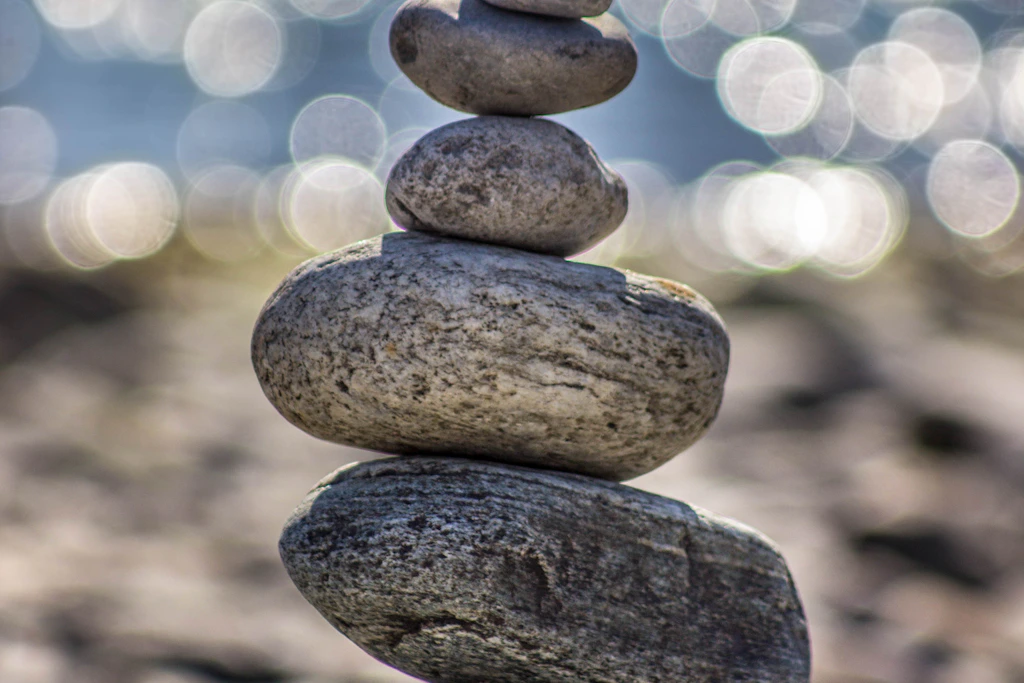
(461, 571)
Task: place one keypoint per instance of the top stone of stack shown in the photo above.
(475, 57)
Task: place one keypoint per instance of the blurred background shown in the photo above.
(840, 177)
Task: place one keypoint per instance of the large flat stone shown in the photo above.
(410, 343)
(524, 183)
(460, 571)
(481, 59)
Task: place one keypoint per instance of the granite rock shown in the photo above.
(481, 59)
(411, 343)
(525, 183)
(454, 570)
(568, 9)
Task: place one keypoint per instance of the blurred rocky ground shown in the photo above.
(873, 428)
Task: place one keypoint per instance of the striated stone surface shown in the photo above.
(477, 58)
(525, 183)
(411, 343)
(453, 570)
(569, 9)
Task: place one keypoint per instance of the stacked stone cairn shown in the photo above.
(516, 388)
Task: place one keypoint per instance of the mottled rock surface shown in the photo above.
(454, 570)
(411, 343)
(525, 183)
(477, 58)
(568, 9)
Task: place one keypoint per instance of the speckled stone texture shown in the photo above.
(410, 343)
(568, 9)
(525, 183)
(454, 570)
(480, 59)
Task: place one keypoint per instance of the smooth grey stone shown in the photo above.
(454, 570)
(568, 9)
(411, 343)
(524, 183)
(480, 59)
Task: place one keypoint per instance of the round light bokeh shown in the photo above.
(948, 40)
(863, 220)
(332, 203)
(28, 154)
(828, 131)
(773, 221)
(155, 29)
(691, 39)
(770, 85)
(76, 14)
(338, 126)
(131, 209)
(972, 187)
(896, 89)
(20, 39)
(67, 224)
(233, 48)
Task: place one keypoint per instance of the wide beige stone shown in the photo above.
(453, 570)
(524, 183)
(480, 59)
(411, 343)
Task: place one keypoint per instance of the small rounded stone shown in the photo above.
(453, 570)
(525, 183)
(568, 9)
(410, 343)
(480, 59)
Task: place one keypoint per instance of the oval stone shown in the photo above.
(568, 9)
(481, 59)
(453, 570)
(525, 183)
(410, 343)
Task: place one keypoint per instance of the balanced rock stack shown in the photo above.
(517, 388)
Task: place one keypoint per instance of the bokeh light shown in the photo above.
(233, 48)
(864, 221)
(28, 154)
(896, 89)
(338, 126)
(77, 14)
(131, 209)
(973, 187)
(827, 132)
(332, 203)
(948, 40)
(773, 221)
(770, 85)
(155, 29)
(67, 224)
